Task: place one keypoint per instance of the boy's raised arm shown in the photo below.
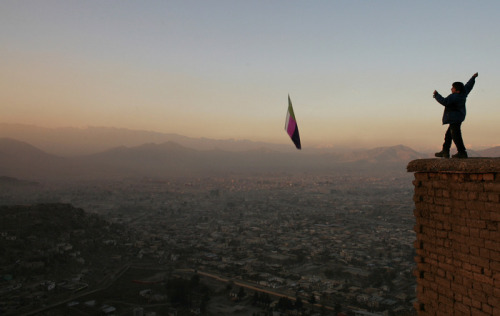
(470, 84)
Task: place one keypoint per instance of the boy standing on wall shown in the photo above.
(454, 115)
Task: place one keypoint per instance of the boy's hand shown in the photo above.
(434, 93)
(475, 75)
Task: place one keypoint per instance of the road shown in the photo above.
(252, 287)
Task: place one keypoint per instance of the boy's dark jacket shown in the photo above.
(454, 104)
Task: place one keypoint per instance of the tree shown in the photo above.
(241, 293)
(179, 292)
(195, 281)
(255, 298)
(312, 299)
(337, 308)
(298, 303)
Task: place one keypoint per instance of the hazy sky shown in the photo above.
(359, 73)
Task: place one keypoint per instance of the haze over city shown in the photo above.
(359, 73)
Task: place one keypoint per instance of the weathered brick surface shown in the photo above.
(457, 211)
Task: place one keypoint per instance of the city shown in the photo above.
(343, 241)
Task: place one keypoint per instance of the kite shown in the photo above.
(291, 125)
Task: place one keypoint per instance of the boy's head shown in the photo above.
(457, 87)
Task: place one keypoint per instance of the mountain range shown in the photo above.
(157, 155)
(22, 160)
(70, 141)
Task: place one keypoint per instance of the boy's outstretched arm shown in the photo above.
(439, 98)
(470, 84)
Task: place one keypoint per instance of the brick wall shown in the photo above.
(457, 211)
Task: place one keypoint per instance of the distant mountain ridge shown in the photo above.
(83, 141)
(74, 142)
(490, 152)
(22, 160)
(192, 157)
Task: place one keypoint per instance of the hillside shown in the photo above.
(51, 233)
(50, 251)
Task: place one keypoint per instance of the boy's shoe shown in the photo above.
(443, 154)
(462, 155)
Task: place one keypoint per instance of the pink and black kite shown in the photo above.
(291, 125)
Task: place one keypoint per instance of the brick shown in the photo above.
(438, 226)
(456, 186)
(478, 296)
(474, 196)
(477, 312)
(418, 198)
(446, 226)
(484, 253)
(482, 196)
(475, 241)
(485, 234)
(459, 289)
(493, 208)
(483, 278)
(458, 243)
(476, 223)
(446, 266)
(425, 267)
(418, 306)
(462, 308)
(496, 281)
(494, 235)
(421, 176)
(445, 300)
(462, 257)
(459, 313)
(457, 204)
(495, 267)
(475, 177)
(492, 187)
(494, 212)
(475, 205)
(459, 195)
(467, 301)
(491, 225)
(481, 262)
(476, 214)
(441, 201)
(494, 197)
(466, 266)
(476, 304)
(488, 176)
(493, 301)
(496, 292)
(488, 272)
(487, 309)
(474, 231)
(492, 244)
(442, 234)
(431, 295)
(494, 255)
(443, 284)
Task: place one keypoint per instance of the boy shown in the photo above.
(454, 115)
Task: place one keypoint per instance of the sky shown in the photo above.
(360, 73)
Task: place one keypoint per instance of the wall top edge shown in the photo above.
(470, 165)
